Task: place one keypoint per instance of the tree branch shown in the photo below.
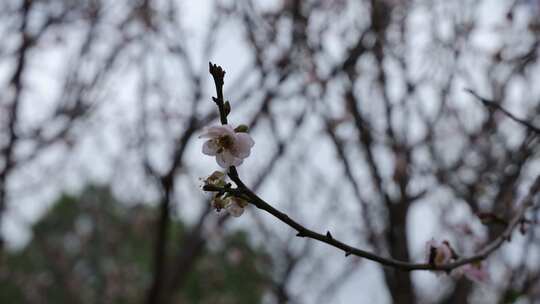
(493, 105)
(242, 191)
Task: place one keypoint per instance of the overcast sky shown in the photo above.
(96, 157)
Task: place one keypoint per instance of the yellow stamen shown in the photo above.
(225, 142)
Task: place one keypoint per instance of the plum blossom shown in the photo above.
(476, 272)
(235, 206)
(218, 202)
(441, 253)
(438, 254)
(228, 146)
(217, 178)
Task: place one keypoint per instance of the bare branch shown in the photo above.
(493, 105)
(242, 191)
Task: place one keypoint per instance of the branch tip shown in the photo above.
(217, 71)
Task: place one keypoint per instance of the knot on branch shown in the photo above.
(329, 235)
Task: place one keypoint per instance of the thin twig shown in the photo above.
(243, 192)
(219, 74)
(491, 104)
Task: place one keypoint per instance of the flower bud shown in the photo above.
(438, 254)
(216, 179)
(241, 129)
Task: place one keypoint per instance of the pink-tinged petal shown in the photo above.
(221, 161)
(234, 209)
(229, 130)
(225, 159)
(246, 138)
(217, 178)
(475, 272)
(238, 161)
(213, 131)
(210, 148)
(207, 132)
(445, 252)
(437, 253)
(218, 203)
(242, 145)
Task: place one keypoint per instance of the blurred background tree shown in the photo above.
(92, 248)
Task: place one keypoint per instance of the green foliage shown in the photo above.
(96, 249)
(511, 296)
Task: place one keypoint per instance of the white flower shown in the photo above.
(229, 147)
(218, 203)
(216, 179)
(438, 254)
(235, 206)
(476, 272)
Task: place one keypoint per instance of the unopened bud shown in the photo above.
(216, 179)
(241, 129)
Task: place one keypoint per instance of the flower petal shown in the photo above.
(216, 179)
(229, 130)
(242, 145)
(210, 148)
(234, 209)
(226, 159)
(437, 253)
(214, 131)
(238, 161)
(475, 274)
(446, 252)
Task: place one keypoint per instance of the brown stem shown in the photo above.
(244, 192)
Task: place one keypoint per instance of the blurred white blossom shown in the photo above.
(438, 254)
(476, 272)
